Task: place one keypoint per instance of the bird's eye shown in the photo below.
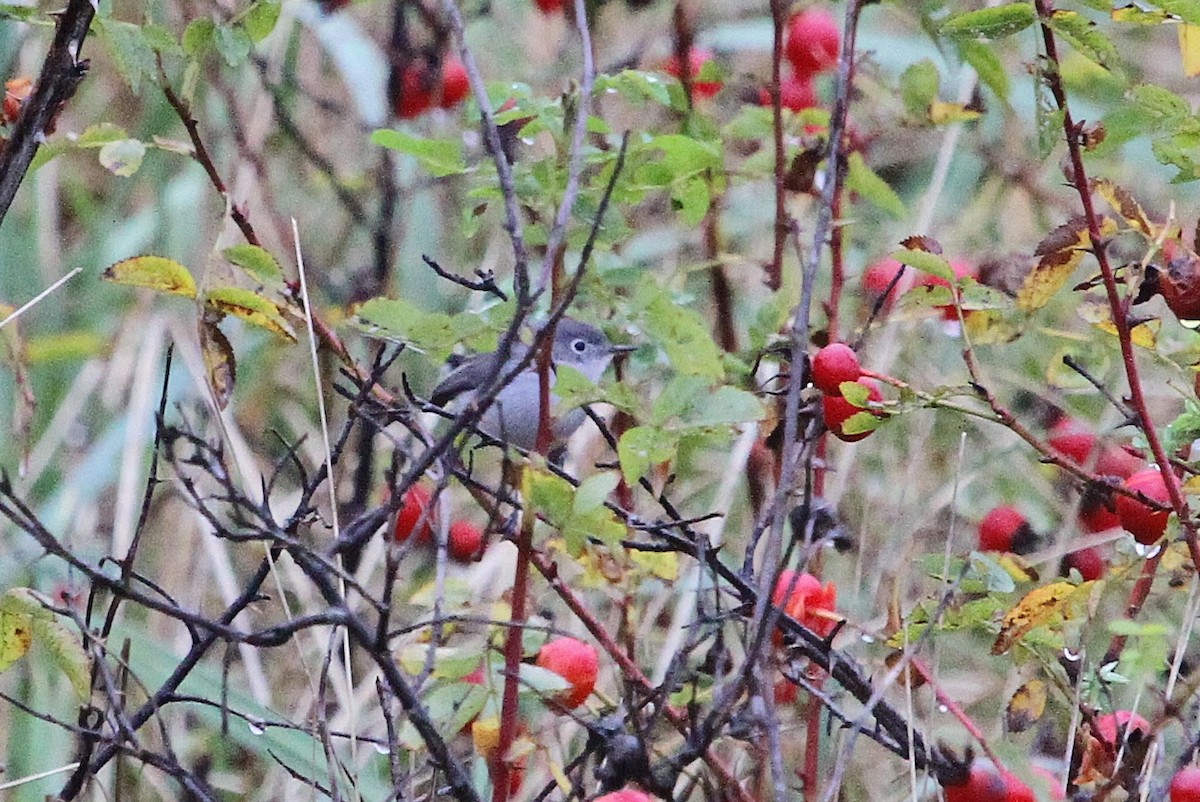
(578, 346)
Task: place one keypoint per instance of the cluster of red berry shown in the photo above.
(812, 47)
(416, 518)
(833, 366)
(424, 86)
(1005, 528)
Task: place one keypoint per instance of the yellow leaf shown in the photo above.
(23, 619)
(1026, 706)
(1038, 606)
(1189, 49)
(155, 273)
(988, 327)
(16, 636)
(1143, 335)
(661, 564)
(218, 361)
(943, 113)
(250, 307)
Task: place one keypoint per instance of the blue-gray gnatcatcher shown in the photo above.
(513, 416)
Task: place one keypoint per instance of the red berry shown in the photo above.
(1185, 785)
(1116, 461)
(960, 270)
(1088, 562)
(549, 6)
(1005, 529)
(878, 276)
(1017, 791)
(805, 599)
(576, 662)
(834, 364)
(416, 91)
(697, 58)
(795, 93)
(625, 795)
(1145, 524)
(455, 84)
(838, 410)
(465, 541)
(416, 511)
(1122, 724)
(983, 784)
(1074, 440)
(813, 41)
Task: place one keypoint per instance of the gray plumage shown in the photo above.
(513, 416)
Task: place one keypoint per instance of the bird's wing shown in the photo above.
(469, 375)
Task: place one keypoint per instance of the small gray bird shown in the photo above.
(513, 416)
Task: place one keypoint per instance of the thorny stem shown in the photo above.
(1118, 309)
(792, 447)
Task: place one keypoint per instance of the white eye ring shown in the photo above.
(578, 346)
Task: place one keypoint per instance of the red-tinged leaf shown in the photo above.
(219, 362)
(250, 307)
(1124, 204)
(920, 242)
(155, 273)
(1071, 234)
(1047, 278)
(1061, 251)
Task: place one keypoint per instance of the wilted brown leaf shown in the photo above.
(1026, 706)
(1038, 606)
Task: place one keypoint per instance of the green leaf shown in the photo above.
(1186, 10)
(255, 261)
(926, 262)
(250, 307)
(260, 19)
(919, 85)
(1183, 430)
(1083, 35)
(594, 491)
(680, 331)
(983, 59)
(863, 180)
(684, 156)
(131, 53)
(636, 86)
(728, 405)
(233, 43)
(161, 39)
(692, 200)
(858, 395)
(1048, 118)
(95, 136)
(991, 23)
(441, 157)
(1161, 107)
(123, 157)
(153, 272)
(861, 422)
(199, 37)
(432, 333)
(642, 447)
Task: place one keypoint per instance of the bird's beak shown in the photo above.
(622, 349)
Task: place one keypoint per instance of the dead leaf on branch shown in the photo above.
(1061, 252)
(1039, 606)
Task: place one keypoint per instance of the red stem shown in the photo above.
(1119, 311)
